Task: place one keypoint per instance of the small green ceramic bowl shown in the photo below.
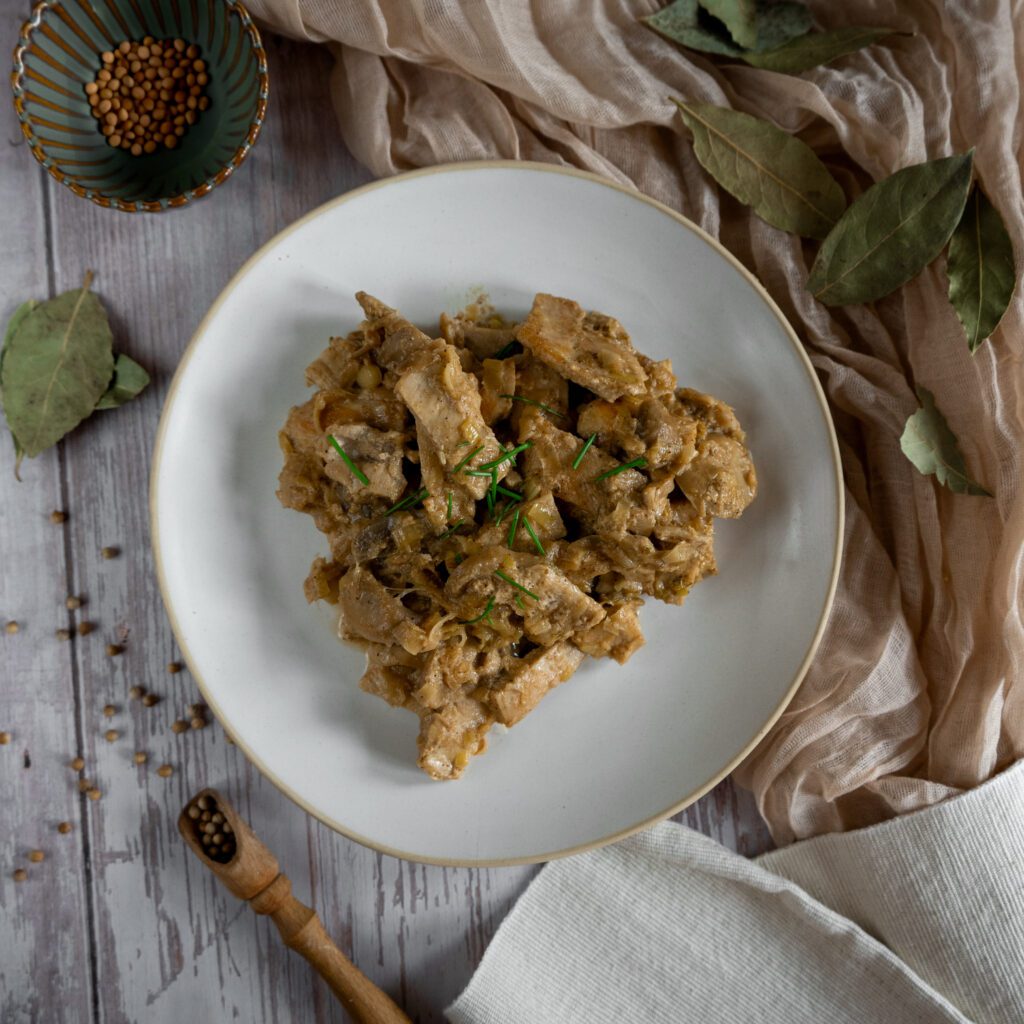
(58, 53)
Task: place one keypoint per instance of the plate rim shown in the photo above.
(154, 481)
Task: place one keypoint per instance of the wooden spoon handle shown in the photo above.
(303, 931)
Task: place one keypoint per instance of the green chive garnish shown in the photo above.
(472, 455)
(462, 444)
(492, 493)
(533, 536)
(449, 516)
(479, 472)
(518, 586)
(533, 401)
(509, 494)
(519, 601)
(408, 501)
(355, 470)
(583, 451)
(632, 464)
(505, 351)
(482, 616)
(451, 529)
(504, 512)
(505, 456)
(459, 558)
(512, 529)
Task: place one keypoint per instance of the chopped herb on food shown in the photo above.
(355, 470)
(484, 616)
(512, 529)
(533, 401)
(583, 451)
(518, 586)
(472, 455)
(533, 536)
(616, 470)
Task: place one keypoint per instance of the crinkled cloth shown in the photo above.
(915, 693)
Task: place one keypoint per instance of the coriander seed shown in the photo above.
(12, 627)
(57, 517)
(73, 602)
(136, 692)
(109, 710)
(150, 700)
(5, 738)
(110, 552)
(198, 723)
(165, 771)
(63, 634)
(174, 667)
(179, 726)
(114, 650)
(94, 793)
(111, 735)
(77, 764)
(36, 856)
(140, 757)
(64, 827)
(85, 628)
(19, 874)
(84, 785)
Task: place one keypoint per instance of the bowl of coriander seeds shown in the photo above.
(140, 107)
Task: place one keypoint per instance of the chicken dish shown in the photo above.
(498, 501)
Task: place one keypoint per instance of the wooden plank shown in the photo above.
(44, 921)
(166, 941)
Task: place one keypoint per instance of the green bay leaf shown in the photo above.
(56, 366)
(129, 380)
(816, 48)
(764, 167)
(980, 268)
(738, 16)
(679, 22)
(933, 449)
(891, 232)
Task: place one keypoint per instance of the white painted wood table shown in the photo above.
(119, 922)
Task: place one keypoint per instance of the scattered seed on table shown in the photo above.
(165, 771)
(197, 709)
(150, 700)
(114, 649)
(73, 602)
(57, 517)
(109, 710)
(5, 738)
(64, 827)
(136, 692)
(63, 634)
(77, 764)
(36, 856)
(111, 735)
(203, 803)
(85, 628)
(179, 726)
(141, 757)
(110, 552)
(84, 785)
(19, 874)
(198, 723)
(12, 627)
(94, 793)
(174, 667)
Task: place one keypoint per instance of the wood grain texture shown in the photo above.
(121, 923)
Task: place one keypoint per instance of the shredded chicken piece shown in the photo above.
(477, 553)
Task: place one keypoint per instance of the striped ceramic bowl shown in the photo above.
(58, 53)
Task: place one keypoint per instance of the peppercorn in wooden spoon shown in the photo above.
(226, 845)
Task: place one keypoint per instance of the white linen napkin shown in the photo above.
(919, 919)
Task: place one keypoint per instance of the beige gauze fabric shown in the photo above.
(915, 693)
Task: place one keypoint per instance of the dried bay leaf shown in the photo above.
(685, 23)
(779, 23)
(12, 325)
(679, 22)
(56, 365)
(129, 380)
(980, 268)
(816, 48)
(738, 16)
(933, 449)
(891, 232)
(762, 166)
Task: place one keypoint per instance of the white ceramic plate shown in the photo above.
(615, 748)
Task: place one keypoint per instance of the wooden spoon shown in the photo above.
(251, 872)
